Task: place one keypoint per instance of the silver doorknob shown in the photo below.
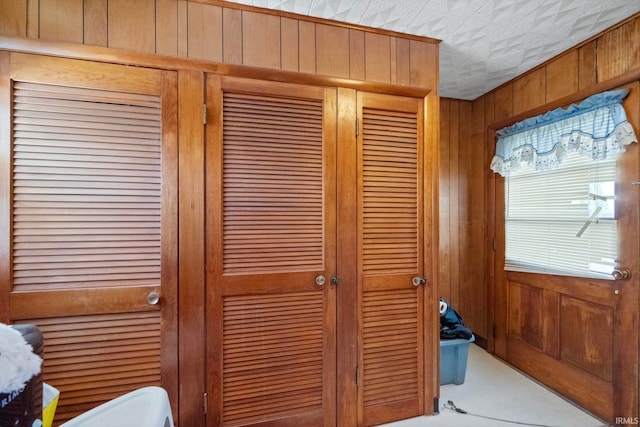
(622, 274)
(320, 280)
(153, 298)
(417, 281)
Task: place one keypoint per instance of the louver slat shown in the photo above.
(273, 356)
(86, 188)
(273, 184)
(95, 358)
(390, 338)
(390, 203)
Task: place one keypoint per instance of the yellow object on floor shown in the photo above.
(49, 403)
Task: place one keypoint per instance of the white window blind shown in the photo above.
(562, 221)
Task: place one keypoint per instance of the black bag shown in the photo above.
(452, 324)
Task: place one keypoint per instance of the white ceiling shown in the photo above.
(484, 42)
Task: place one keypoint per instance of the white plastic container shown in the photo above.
(145, 407)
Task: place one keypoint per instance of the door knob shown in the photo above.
(417, 281)
(622, 274)
(153, 298)
(320, 280)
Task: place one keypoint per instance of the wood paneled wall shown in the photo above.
(466, 183)
(228, 33)
(462, 211)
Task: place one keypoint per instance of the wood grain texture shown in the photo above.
(585, 334)
(33, 20)
(619, 50)
(356, 55)
(231, 36)
(95, 23)
(347, 247)
(431, 168)
(13, 18)
(562, 76)
(5, 185)
(390, 188)
(205, 32)
(466, 276)
(377, 57)
(99, 173)
(453, 221)
(277, 41)
(424, 60)
(475, 287)
(403, 62)
(183, 28)
(529, 91)
(332, 53)
(626, 310)
(43, 69)
(191, 247)
(261, 40)
(131, 25)
(167, 22)
(279, 283)
(503, 102)
(112, 354)
(307, 47)
(587, 70)
(444, 252)
(525, 313)
(62, 20)
(289, 44)
(78, 221)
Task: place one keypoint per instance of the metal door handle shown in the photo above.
(417, 281)
(153, 298)
(622, 274)
(320, 280)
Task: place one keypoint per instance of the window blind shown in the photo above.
(562, 221)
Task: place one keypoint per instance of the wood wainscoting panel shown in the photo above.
(332, 51)
(585, 336)
(525, 313)
(261, 40)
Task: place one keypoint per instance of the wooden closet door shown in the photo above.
(270, 253)
(390, 256)
(90, 225)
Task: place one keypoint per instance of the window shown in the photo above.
(562, 221)
(560, 176)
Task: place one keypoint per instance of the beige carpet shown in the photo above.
(494, 389)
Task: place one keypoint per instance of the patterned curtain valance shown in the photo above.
(597, 128)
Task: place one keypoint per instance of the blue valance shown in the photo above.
(597, 128)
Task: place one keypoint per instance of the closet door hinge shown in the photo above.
(204, 114)
(206, 403)
(357, 127)
(495, 244)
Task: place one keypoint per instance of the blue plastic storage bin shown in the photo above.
(453, 360)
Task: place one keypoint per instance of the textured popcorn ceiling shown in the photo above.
(484, 42)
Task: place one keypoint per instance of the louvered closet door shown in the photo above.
(270, 242)
(390, 255)
(93, 225)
